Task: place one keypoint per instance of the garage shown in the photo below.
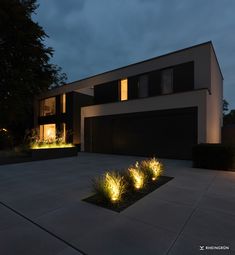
(163, 133)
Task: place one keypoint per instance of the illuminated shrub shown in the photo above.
(32, 138)
(137, 176)
(111, 186)
(114, 187)
(153, 168)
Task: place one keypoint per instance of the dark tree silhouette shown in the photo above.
(225, 106)
(25, 68)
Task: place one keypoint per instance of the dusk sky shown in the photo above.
(90, 36)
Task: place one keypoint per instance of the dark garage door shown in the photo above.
(168, 133)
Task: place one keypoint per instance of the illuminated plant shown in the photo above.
(111, 186)
(137, 176)
(32, 138)
(152, 167)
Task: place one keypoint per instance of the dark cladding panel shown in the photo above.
(154, 81)
(106, 93)
(133, 87)
(166, 133)
(183, 77)
(88, 134)
(98, 134)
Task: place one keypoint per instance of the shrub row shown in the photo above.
(113, 185)
(213, 156)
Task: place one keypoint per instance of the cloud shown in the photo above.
(90, 37)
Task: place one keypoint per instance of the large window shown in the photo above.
(106, 93)
(124, 90)
(48, 132)
(183, 77)
(143, 86)
(63, 103)
(47, 106)
(167, 81)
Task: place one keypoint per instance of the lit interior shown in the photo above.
(48, 132)
(64, 132)
(124, 89)
(47, 106)
(63, 103)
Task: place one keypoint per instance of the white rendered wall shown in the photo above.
(215, 104)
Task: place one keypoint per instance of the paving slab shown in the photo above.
(69, 251)
(159, 213)
(126, 236)
(8, 219)
(77, 220)
(218, 202)
(212, 226)
(19, 236)
(196, 207)
(195, 245)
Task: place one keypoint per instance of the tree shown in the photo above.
(25, 70)
(229, 119)
(225, 106)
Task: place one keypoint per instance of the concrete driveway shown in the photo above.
(41, 211)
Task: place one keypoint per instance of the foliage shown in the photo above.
(25, 68)
(213, 156)
(229, 119)
(32, 139)
(152, 167)
(6, 139)
(113, 187)
(225, 106)
(110, 186)
(137, 176)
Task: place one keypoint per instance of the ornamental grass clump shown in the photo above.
(152, 167)
(110, 187)
(136, 176)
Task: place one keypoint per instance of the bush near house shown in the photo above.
(6, 139)
(213, 156)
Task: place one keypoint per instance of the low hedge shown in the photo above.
(213, 156)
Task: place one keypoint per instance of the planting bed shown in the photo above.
(130, 197)
(51, 153)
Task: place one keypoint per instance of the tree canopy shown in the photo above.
(25, 68)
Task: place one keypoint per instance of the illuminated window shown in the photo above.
(63, 103)
(48, 132)
(124, 90)
(47, 106)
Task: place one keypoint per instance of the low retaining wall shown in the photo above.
(38, 154)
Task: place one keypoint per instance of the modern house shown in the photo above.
(161, 106)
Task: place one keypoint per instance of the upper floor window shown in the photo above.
(63, 103)
(167, 81)
(143, 86)
(48, 106)
(124, 89)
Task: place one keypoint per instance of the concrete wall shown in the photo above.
(214, 103)
(172, 101)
